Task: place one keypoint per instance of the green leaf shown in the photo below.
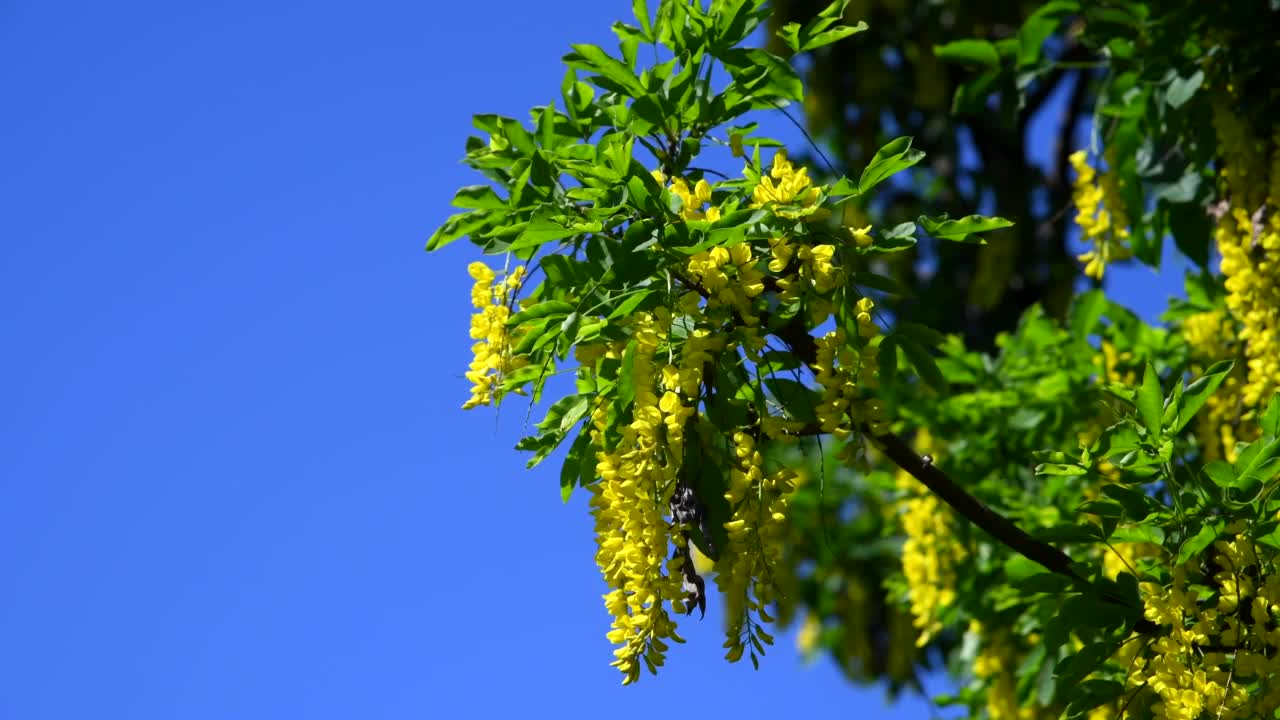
(882, 283)
(1085, 533)
(1092, 693)
(1258, 461)
(626, 377)
(1084, 661)
(457, 226)
(478, 197)
(634, 301)
(1182, 88)
(565, 413)
(549, 308)
(571, 471)
(1086, 311)
(922, 334)
(1221, 473)
(1138, 534)
(1042, 582)
(534, 334)
(1103, 508)
(593, 59)
(735, 22)
(843, 187)
(1197, 543)
(890, 244)
(763, 74)
(705, 466)
(923, 362)
(833, 35)
(896, 156)
(1137, 504)
(900, 231)
(960, 230)
(1081, 611)
(1171, 404)
(1039, 26)
(775, 361)
(561, 417)
(1198, 392)
(887, 360)
(1270, 420)
(1150, 402)
(1059, 469)
(970, 52)
(544, 228)
(798, 400)
(520, 138)
(641, 12)
(1269, 536)
(815, 33)
(972, 95)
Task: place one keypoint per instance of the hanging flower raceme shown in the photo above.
(1218, 654)
(930, 555)
(630, 504)
(1250, 249)
(730, 278)
(755, 532)
(1211, 336)
(995, 665)
(843, 371)
(1100, 213)
(488, 326)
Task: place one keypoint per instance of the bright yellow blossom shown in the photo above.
(1101, 216)
(785, 185)
(492, 355)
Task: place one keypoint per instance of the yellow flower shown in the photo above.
(1251, 251)
(692, 200)
(930, 556)
(756, 529)
(861, 236)
(492, 358)
(785, 185)
(630, 503)
(1101, 216)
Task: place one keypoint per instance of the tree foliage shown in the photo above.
(1074, 516)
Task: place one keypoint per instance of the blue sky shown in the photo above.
(234, 479)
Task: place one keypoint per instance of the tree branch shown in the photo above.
(797, 337)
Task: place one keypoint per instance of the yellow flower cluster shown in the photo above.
(786, 185)
(730, 277)
(930, 556)
(630, 504)
(488, 326)
(1250, 250)
(1122, 557)
(1244, 172)
(816, 270)
(1217, 659)
(1100, 213)
(842, 371)
(995, 664)
(755, 533)
(808, 637)
(1111, 360)
(1210, 337)
(692, 200)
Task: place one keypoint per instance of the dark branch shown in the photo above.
(797, 337)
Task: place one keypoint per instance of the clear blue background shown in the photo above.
(234, 479)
